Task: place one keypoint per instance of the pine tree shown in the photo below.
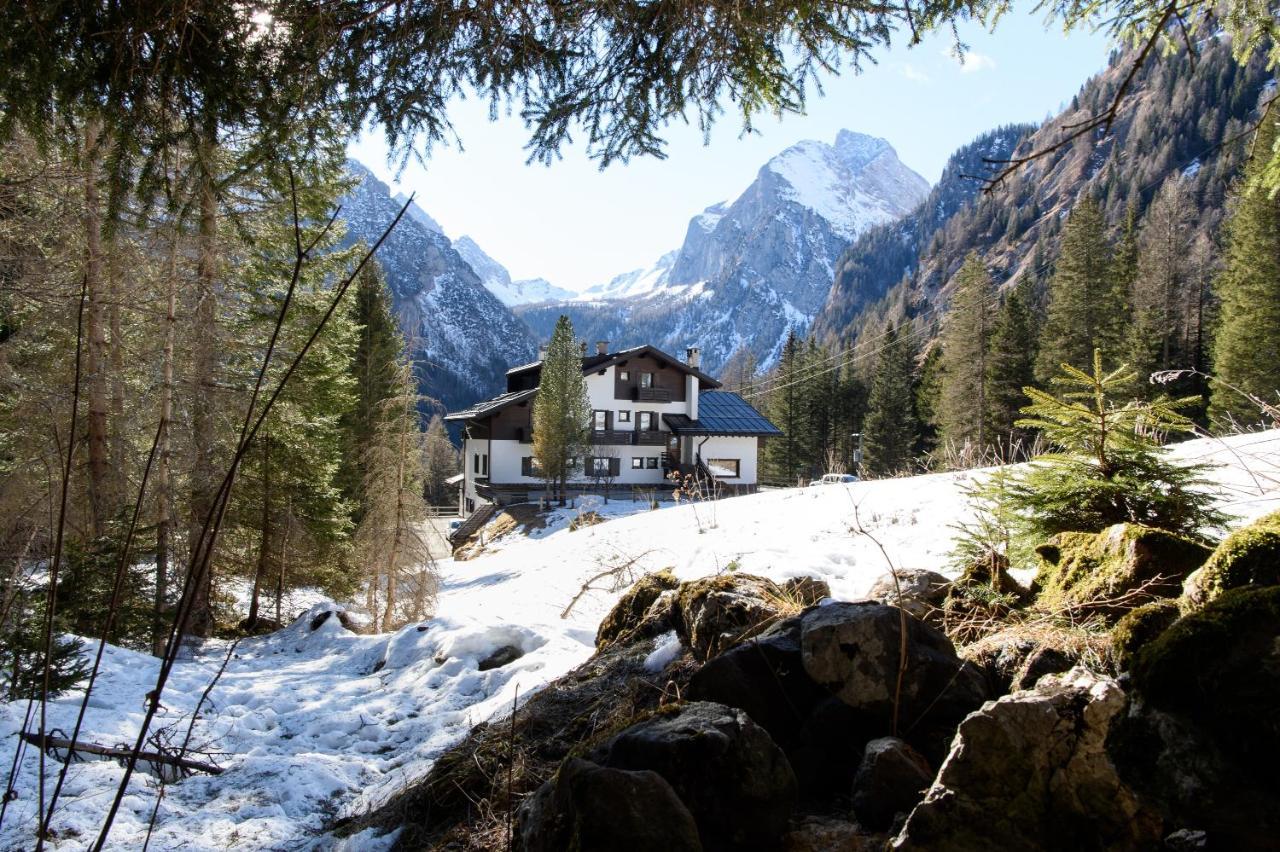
(375, 370)
(966, 341)
(561, 411)
(1086, 307)
(1010, 366)
(1165, 297)
(1107, 466)
(395, 560)
(890, 425)
(1246, 345)
(785, 456)
(928, 401)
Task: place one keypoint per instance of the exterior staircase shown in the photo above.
(472, 524)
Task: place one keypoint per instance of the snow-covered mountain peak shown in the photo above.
(854, 184)
(418, 214)
(859, 149)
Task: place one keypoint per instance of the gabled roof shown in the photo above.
(489, 406)
(591, 363)
(722, 413)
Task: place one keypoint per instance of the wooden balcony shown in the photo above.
(653, 395)
(611, 436)
(651, 438)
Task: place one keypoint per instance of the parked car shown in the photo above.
(834, 479)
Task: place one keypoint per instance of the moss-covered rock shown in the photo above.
(1249, 556)
(1220, 668)
(1202, 735)
(633, 617)
(1115, 570)
(1138, 627)
(713, 613)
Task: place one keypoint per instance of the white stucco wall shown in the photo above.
(723, 447)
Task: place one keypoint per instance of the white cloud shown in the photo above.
(914, 74)
(972, 61)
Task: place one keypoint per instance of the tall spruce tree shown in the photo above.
(1246, 346)
(1010, 366)
(1165, 295)
(890, 425)
(561, 411)
(966, 342)
(375, 372)
(1086, 306)
(787, 457)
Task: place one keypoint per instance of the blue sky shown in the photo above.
(578, 226)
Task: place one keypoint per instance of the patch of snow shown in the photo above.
(666, 648)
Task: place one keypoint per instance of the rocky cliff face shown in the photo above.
(462, 337)
(753, 269)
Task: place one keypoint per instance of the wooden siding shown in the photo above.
(665, 378)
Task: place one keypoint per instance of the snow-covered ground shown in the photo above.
(310, 727)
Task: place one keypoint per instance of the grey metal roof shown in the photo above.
(488, 406)
(722, 413)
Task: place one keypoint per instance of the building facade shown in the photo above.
(652, 415)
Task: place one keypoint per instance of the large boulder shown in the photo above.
(891, 780)
(638, 613)
(715, 612)
(725, 768)
(828, 834)
(921, 593)
(598, 809)
(765, 677)
(1249, 556)
(1203, 735)
(854, 650)
(1111, 572)
(1030, 771)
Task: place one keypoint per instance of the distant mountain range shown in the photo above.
(751, 270)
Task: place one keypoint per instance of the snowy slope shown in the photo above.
(314, 729)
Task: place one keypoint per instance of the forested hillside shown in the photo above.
(1133, 241)
(1183, 120)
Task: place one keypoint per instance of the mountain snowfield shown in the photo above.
(314, 725)
(497, 280)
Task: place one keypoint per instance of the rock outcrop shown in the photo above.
(635, 615)
(1031, 771)
(921, 593)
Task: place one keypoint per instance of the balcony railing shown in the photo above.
(653, 395)
(610, 436)
(651, 437)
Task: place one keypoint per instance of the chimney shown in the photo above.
(602, 347)
(542, 352)
(693, 356)
(583, 347)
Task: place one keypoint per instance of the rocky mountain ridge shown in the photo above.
(462, 337)
(751, 270)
